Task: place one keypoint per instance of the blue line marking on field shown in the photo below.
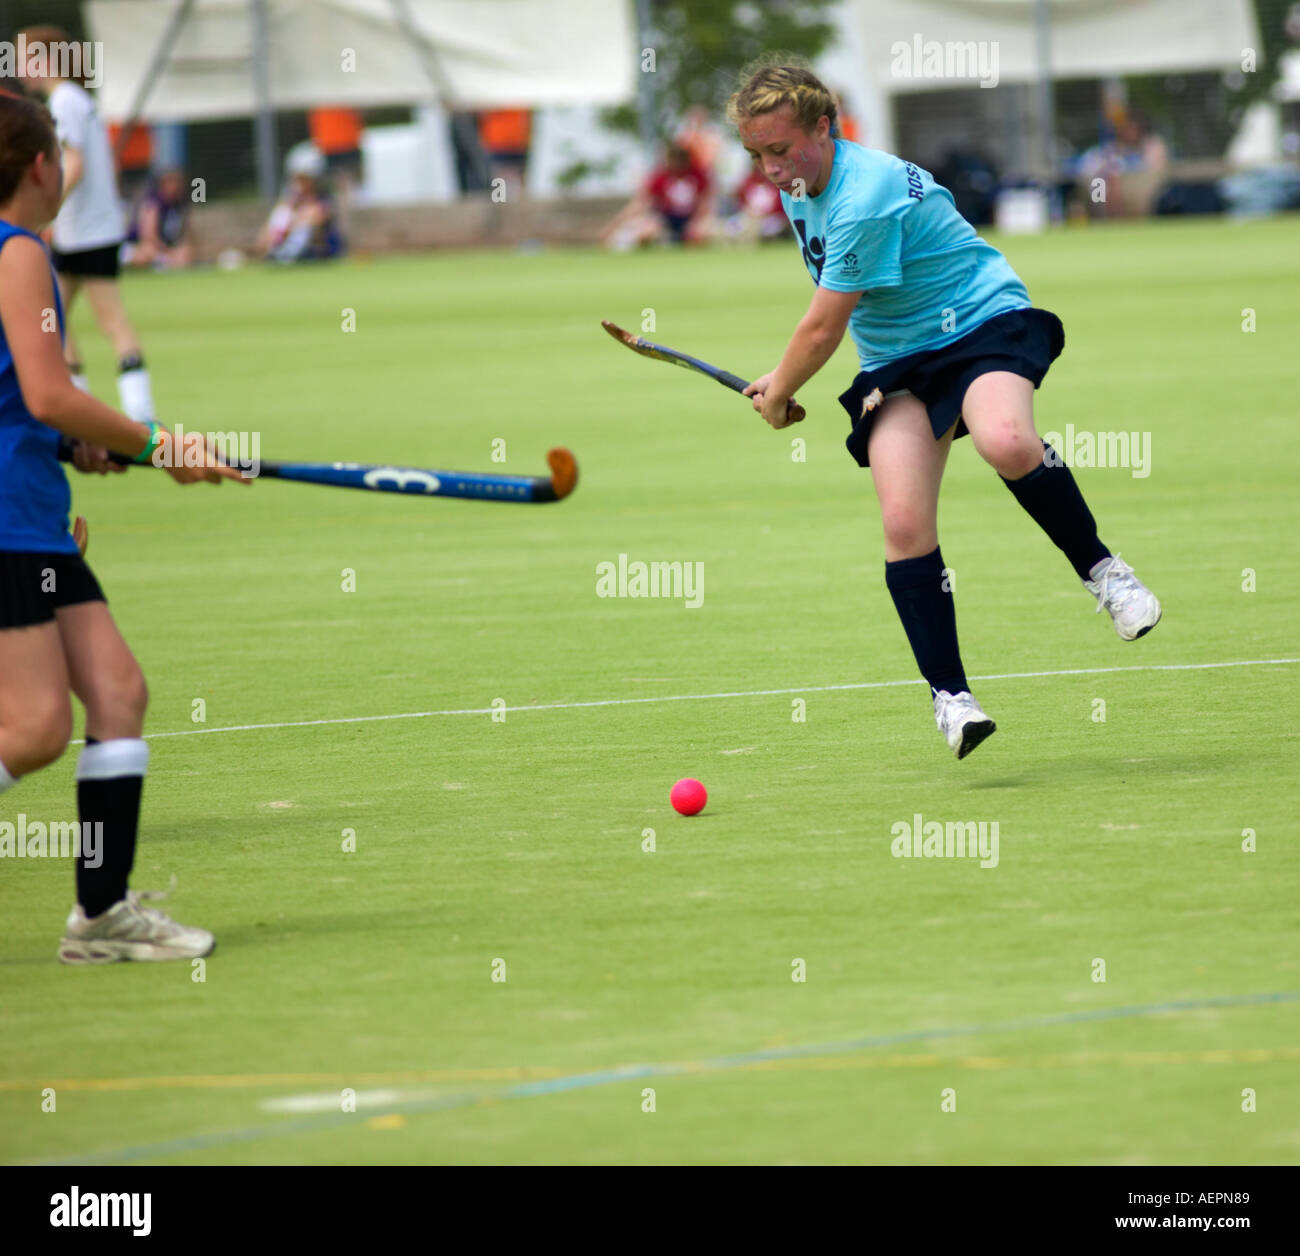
(605, 1077)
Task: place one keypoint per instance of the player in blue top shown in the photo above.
(56, 635)
(949, 345)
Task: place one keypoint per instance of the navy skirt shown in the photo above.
(1025, 342)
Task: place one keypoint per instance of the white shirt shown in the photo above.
(91, 216)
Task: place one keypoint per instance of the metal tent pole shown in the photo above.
(1046, 105)
(153, 71)
(647, 104)
(466, 135)
(264, 118)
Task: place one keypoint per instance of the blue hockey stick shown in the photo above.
(417, 481)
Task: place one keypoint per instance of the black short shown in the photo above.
(676, 224)
(1025, 342)
(101, 263)
(34, 586)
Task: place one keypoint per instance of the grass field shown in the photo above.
(521, 839)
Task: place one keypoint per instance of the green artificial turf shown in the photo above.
(521, 839)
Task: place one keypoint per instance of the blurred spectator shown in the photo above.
(973, 182)
(504, 135)
(336, 135)
(159, 234)
(303, 226)
(758, 214)
(701, 138)
(134, 161)
(1132, 161)
(673, 205)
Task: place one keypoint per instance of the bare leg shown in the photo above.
(102, 671)
(999, 411)
(111, 769)
(907, 465)
(69, 286)
(35, 713)
(106, 304)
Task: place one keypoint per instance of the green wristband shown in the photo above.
(156, 430)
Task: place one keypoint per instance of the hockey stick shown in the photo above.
(418, 481)
(646, 349)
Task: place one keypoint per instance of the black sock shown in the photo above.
(929, 618)
(1053, 501)
(110, 778)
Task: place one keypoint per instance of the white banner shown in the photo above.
(490, 53)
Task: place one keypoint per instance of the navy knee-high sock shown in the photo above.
(1053, 501)
(110, 777)
(926, 608)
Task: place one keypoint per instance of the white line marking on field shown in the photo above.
(705, 697)
(332, 1101)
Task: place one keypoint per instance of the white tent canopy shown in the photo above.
(1089, 38)
(485, 54)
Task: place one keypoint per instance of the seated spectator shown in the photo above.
(303, 225)
(1132, 163)
(673, 205)
(160, 234)
(758, 214)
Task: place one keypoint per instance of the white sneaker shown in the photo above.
(961, 721)
(1133, 607)
(129, 930)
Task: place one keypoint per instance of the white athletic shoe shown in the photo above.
(1133, 607)
(961, 721)
(130, 930)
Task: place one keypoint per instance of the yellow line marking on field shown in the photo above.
(1251, 1055)
(1245, 1055)
(393, 1121)
(214, 1081)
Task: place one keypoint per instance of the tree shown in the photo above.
(700, 46)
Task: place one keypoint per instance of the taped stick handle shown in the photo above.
(794, 411)
(66, 444)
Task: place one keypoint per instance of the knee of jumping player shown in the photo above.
(909, 533)
(1010, 448)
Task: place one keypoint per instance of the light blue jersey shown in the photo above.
(885, 228)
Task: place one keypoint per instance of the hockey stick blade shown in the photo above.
(648, 349)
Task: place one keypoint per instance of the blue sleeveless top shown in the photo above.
(34, 494)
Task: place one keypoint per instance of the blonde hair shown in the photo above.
(781, 79)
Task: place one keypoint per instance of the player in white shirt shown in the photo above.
(89, 229)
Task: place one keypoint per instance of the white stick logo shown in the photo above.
(402, 477)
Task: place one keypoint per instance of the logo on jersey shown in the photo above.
(814, 250)
(915, 188)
